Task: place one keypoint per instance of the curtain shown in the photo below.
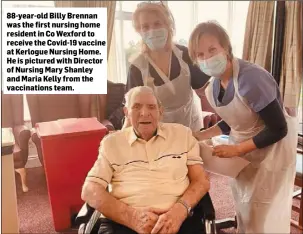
(292, 61)
(110, 5)
(112, 64)
(279, 40)
(111, 9)
(259, 33)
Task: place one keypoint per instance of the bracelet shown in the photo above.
(188, 208)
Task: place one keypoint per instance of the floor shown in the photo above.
(35, 213)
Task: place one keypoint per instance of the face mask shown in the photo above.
(214, 66)
(156, 38)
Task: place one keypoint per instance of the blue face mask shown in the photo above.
(155, 39)
(214, 66)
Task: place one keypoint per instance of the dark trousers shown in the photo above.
(192, 225)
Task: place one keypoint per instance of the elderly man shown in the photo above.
(154, 170)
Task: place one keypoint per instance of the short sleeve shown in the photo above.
(258, 87)
(193, 155)
(134, 78)
(102, 170)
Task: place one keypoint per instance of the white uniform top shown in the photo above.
(176, 96)
(263, 190)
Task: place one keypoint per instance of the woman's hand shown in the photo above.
(227, 151)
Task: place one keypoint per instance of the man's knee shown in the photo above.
(192, 225)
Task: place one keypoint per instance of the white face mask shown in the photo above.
(214, 66)
(156, 38)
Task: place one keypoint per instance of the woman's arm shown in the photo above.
(275, 125)
(208, 133)
(261, 91)
(220, 128)
(134, 78)
(275, 128)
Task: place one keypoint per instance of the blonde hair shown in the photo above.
(213, 28)
(163, 12)
(138, 90)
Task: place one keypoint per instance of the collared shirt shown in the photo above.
(147, 174)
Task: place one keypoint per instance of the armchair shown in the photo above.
(50, 107)
(88, 218)
(102, 105)
(112, 103)
(13, 117)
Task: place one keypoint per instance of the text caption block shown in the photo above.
(54, 50)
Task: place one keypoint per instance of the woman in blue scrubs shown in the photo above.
(248, 100)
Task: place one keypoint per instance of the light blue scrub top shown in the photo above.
(256, 85)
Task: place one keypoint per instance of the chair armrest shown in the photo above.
(22, 135)
(37, 142)
(108, 125)
(84, 214)
(208, 208)
(35, 137)
(88, 219)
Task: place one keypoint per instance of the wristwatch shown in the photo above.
(188, 208)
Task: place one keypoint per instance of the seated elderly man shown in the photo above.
(154, 170)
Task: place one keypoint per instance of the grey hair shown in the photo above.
(137, 90)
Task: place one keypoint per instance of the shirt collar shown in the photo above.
(132, 137)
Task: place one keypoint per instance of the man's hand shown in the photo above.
(227, 151)
(145, 219)
(171, 221)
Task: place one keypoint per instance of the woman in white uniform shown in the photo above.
(248, 100)
(166, 67)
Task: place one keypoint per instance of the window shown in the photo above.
(129, 39)
(128, 6)
(240, 10)
(125, 42)
(18, 4)
(184, 25)
(187, 14)
(221, 14)
(300, 109)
